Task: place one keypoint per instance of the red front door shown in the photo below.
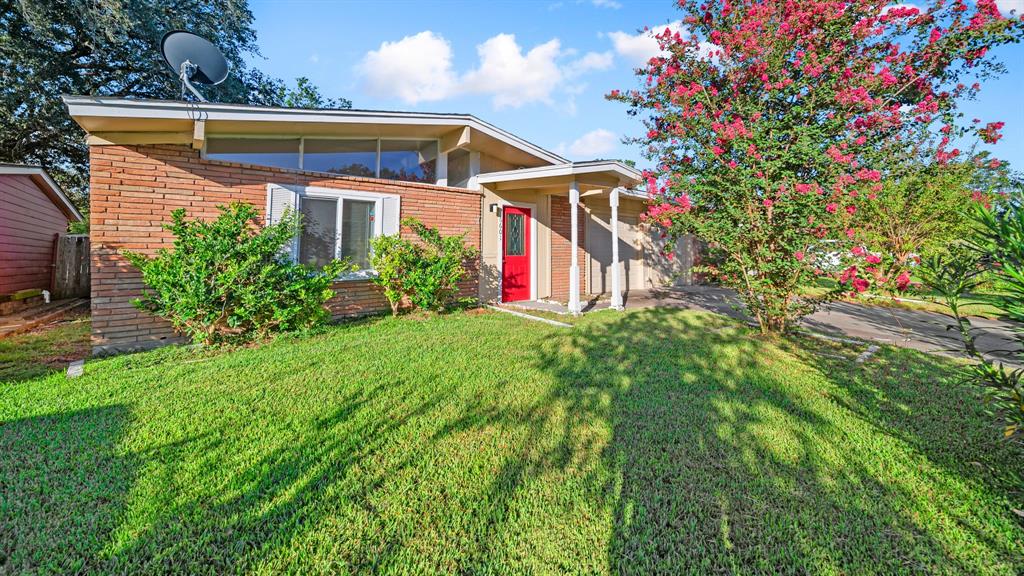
(515, 254)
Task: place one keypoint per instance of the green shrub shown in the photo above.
(395, 260)
(996, 252)
(230, 280)
(426, 274)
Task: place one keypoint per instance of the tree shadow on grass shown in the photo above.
(736, 456)
(653, 441)
(63, 487)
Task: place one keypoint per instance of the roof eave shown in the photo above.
(95, 106)
(570, 169)
(37, 171)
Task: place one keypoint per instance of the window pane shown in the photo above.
(349, 157)
(458, 168)
(411, 161)
(269, 152)
(357, 219)
(319, 231)
(514, 234)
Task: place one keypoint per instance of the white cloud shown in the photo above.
(589, 61)
(593, 144)
(1005, 6)
(414, 69)
(639, 48)
(607, 4)
(889, 7)
(419, 69)
(314, 58)
(514, 78)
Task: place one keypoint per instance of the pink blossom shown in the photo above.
(860, 284)
(831, 208)
(847, 274)
(799, 255)
(873, 259)
(902, 281)
(768, 203)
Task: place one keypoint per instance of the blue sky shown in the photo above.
(536, 68)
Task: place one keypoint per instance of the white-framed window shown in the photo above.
(335, 223)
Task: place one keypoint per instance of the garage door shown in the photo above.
(599, 245)
(659, 269)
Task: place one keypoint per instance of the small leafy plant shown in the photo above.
(425, 274)
(230, 280)
(996, 251)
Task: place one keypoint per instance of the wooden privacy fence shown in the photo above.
(70, 266)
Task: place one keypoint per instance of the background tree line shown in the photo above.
(112, 48)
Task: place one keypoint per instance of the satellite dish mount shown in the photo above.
(187, 69)
(194, 59)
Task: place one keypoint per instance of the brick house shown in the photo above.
(354, 174)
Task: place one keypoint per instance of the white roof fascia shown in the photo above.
(560, 170)
(37, 171)
(172, 110)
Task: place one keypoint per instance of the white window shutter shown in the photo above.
(391, 220)
(281, 200)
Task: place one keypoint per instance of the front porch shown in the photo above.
(555, 234)
(701, 297)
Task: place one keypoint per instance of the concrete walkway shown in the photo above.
(920, 330)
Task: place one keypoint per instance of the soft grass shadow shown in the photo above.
(652, 441)
(736, 455)
(63, 488)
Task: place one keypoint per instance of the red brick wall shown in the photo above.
(133, 190)
(561, 247)
(28, 222)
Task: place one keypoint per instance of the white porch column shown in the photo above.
(574, 267)
(613, 200)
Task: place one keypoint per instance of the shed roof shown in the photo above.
(46, 184)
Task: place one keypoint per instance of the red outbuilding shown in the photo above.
(33, 210)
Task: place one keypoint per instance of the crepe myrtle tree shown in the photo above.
(924, 208)
(762, 117)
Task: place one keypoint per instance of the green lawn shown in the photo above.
(646, 442)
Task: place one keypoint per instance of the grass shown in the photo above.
(645, 442)
(47, 349)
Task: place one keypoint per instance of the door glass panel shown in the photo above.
(356, 230)
(514, 245)
(319, 230)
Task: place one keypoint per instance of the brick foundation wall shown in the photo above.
(133, 190)
(561, 247)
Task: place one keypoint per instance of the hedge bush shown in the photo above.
(231, 279)
(426, 273)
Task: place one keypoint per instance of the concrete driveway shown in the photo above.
(920, 330)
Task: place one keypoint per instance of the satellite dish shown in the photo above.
(194, 59)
